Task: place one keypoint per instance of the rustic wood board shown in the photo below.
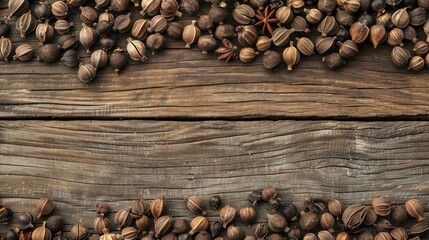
(79, 163)
(181, 83)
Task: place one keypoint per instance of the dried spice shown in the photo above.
(123, 217)
(119, 5)
(227, 213)
(102, 28)
(139, 208)
(325, 45)
(247, 214)
(333, 61)
(207, 43)
(102, 4)
(215, 202)
(180, 226)
(377, 35)
(79, 231)
(313, 15)
(55, 223)
(277, 222)
(60, 9)
(136, 49)
(326, 6)
(163, 225)
(383, 236)
(88, 15)
(224, 30)
(118, 61)
(25, 220)
(271, 59)
(106, 16)
(399, 213)
(198, 224)
(370, 217)
(70, 58)
(344, 18)
(4, 28)
(215, 228)
(280, 38)
(300, 25)
(122, 23)
(150, 7)
(415, 207)
(192, 7)
(170, 9)
(44, 205)
(196, 204)
(263, 43)
(158, 24)
(400, 18)
(142, 223)
(359, 32)
(76, 3)
(175, 30)
(243, 13)
(218, 14)
(99, 59)
(420, 227)
(67, 42)
(42, 11)
(400, 57)
(417, 16)
(87, 37)
(289, 210)
(191, 34)
(328, 26)
(26, 24)
(62, 26)
(400, 233)
(284, 15)
(353, 216)
(266, 19)
(44, 33)
(17, 7)
(308, 221)
(157, 207)
(107, 43)
(335, 207)
(5, 52)
(86, 74)
(205, 23)
(395, 37)
(41, 233)
(48, 53)
(235, 233)
(129, 233)
(327, 221)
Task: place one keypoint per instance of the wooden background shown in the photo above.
(184, 123)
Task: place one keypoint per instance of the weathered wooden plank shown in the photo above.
(79, 163)
(185, 83)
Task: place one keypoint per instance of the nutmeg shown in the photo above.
(399, 213)
(26, 24)
(158, 24)
(277, 222)
(351, 6)
(399, 233)
(263, 43)
(326, 6)
(138, 208)
(118, 61)
(383, 236)
(129, 233)
(25, 220)
(87, 37)
(60, 9)
(192, 7)
(23, 52)
(235, 233)
(62, 26)
(308, 221)
(196, 204)
(140, 29)
(247, 35)
(123, 217)
(365, 235)
(180, 226)
(370, 217)
(191, 34)
(325, 235)
(359, 32)
(243, 13)
(395, 37)
(102, 28)
(70, 58)
(106, 16)
(348, 49)
(198, 224)
(88, 15)
(4, 28)
(227, 214)
(343, 236)
(400, 18)
(45, 205)
(79, 231)
(335, 207)
(310, 236)
(42, 11)
(107, 43)
(377, 35)
(122, 23)
(328, 26)
(281, 37)
(400, 57)
(67, 42)
(289, 210)
(224, 31)
(55, 223)
(247, 214)
(284, 15)
(17, 7)
(327, 221)
(271, 60)
(142, 223)
(47, 53)
(41, 233)
(119, 5)
(99, 59)
(299, 24)
(415, 207)
(218, 14)
(175, 30)
(207, 44)
(163, 225)
(215, 228)
(86, 74)
(291, 57)
(325, 45)
(344, 18)
(170, 9)
(157, 207)
(313, 15)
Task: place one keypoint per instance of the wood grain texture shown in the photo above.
(79, 163)
(184, 83)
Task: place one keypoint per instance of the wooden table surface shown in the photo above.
(184, 123)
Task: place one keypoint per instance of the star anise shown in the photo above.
(228, 51)
(266, 19)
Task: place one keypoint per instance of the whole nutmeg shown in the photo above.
(335, 207)
(395, 37)
(107, 43)
(326, 6)
(310, 236)
(325, 45)
(327, 221)
(25, 220)
(377, 35)
(118, 61)
(198, 224)
(86, 73)
(313, 15)
(348, 49)
(421, 48)
(139, 208)
(247, 35)
(119, 5)
(300, 25)
(215, 202)
(60, 9)
(271, 59)
(383, 236)
(175, 30)
(291, 57)
(142, 223)
(235, 233)
(370, 217)
(46, 205)
(351, 6)
(268, 193)
(99, 60)
(103, 28)
(192, 7)
(207, 43)
(41, 233)
(136, 49)
(17, 8)
(158, 24)
(123, 217)
(180, 226)
(354, 215)
(308, 221)
(381, 206)
(79, 231)
(227, 214)
(106, 16)
(4, 28)
(205, 23)
(284, 15)
(359, 32)
(280, 38)
(42, 11)
(247, 214)
(218, 14)
(48, 53)
(325, 235)
(67, 42)
(196, 204)
(70, 58)
(215, 228)
(399, 213)
(156, 42)
(344, 18)
(129, 233)
(277, 222)
(224, 31)
(122, 23)
(191, 34)
(263, 43)
(328, 26)
(365, 235)
(368, 18)
(243, 13)
(55, 223)
(343, 236)
(170, 9)
(140, 29)
(157, 207)
(400, 18)
(62, 26)
(417, 16)
(88, 14)
(87, 37)
(297, 6)
(415, 207)
(399, 233)
(163, 225)
(26, 24)
(400, 57)
(23, 52)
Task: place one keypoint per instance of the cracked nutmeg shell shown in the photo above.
(5, 52)
(140, 29)
(353, 216)
(261, 231)
(325, 45)
(227, 214)
(139, 208)
(157, 207)
(86, 73)
(41, 233)
(306, 47)
(370, 217)
(118, 61)
(419, 228)
(191, 34)
(308, 221)
(62, 26)
(198, 224)
(122, 23)
(79, 231)
(351, 6)
(247, 35)
(196, 204)
(158, 24)
(108, 236)
(243, 13)
(17, 7)
(150, 7)
(45, 205)
(248, 214)
(207, 43)
(87, 37)
(328, 26)
(70, 58)
(26, 24)
(348, 49)
(280, 38)
(123, 217)
(163, 225)
(415, 209)
(44, 33)
(99, 60)
(60, 9)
